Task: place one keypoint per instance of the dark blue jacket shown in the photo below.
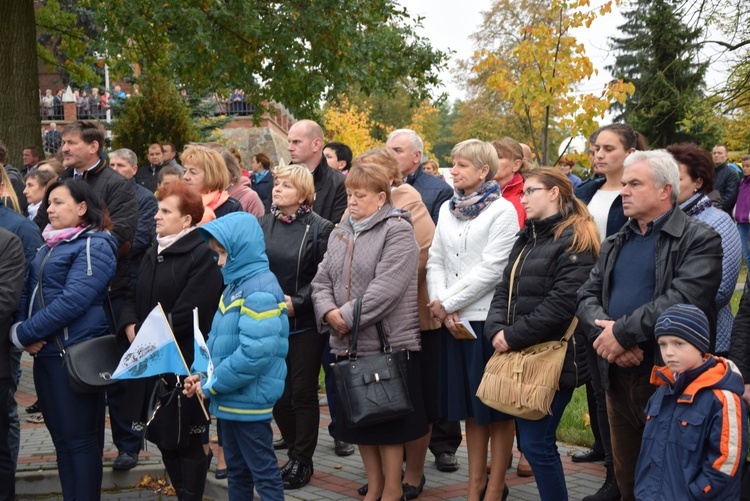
(75, 276)
(434, 191)
(24, 229)
(617, 219)
(695, 439)
(263, 187)
(145, 231)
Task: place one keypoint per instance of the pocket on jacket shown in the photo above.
(687, 429)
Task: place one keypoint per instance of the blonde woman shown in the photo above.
(475, 232)
(206, 172)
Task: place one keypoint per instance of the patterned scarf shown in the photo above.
(53, 237)
(696, 204)
(467, 207)
(303, 209)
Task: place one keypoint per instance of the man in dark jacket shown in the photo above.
(148, 175)
(12, 265)
(408, 147)
(660, 258)
(306, 148)
(125, 162)
(726, 179)
(82, 149)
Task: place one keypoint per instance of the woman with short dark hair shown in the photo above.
(63, 303)
(696, 182)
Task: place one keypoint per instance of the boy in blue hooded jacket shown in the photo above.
(695, 439)
(248, 343)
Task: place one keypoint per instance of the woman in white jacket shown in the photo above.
(474, 235)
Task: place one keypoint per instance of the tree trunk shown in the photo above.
(20, 122)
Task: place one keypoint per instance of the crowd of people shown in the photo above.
(638, 263)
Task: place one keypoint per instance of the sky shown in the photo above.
(448, 28)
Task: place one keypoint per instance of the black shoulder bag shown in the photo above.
(372, 389)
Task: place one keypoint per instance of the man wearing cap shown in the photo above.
(659, 258)
(695, 439)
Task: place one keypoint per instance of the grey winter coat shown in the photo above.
(379, 265)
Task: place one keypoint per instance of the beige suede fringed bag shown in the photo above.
(523, 383)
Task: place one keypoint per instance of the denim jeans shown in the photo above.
(73, 421)
(251, 461)
(540, 449)
(744, 231)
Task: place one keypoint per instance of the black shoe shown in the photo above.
(343, 449)
(411, 492)
(33, 408)
(362, 491)
(608, 492)
(125, 461)
(298, 476)
(587, 456)
(280, 444)
(446, 461)
(286, 468)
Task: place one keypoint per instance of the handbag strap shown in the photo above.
(573, 323)
(384, 344)
(512, 278)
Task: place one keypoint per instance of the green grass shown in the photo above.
(575, 427)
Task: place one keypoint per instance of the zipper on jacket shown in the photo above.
(299, 264)
(575, 358)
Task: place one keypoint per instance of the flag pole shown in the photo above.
(187, 369)
(200, 399)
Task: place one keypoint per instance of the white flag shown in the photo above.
(154, 351)
(202, 358)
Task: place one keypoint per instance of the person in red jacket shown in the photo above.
(510, 170)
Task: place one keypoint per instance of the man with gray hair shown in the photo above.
(408, 147)
(659, 258)
(125, 162)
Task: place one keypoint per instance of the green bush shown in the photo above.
(159, 115)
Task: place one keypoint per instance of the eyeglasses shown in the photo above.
(530, 191)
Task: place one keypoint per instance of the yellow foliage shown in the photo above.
(347, 123)
(538, 74)
(424, 121)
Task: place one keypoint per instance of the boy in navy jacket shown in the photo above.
(695, 439)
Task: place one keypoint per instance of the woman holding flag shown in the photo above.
(181, 274)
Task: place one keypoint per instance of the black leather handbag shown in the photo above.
(372, 389)
(168, 424)
(90, 363)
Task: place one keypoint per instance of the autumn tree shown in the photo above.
(531, 65)
(348, 123)
(658, 54)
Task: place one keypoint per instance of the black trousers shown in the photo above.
(7, 471)
(187, 469)
(297, 412)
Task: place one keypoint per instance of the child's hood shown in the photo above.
(240, 234)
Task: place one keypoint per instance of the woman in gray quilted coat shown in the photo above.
(373, 255)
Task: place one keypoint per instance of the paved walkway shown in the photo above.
(335, 478)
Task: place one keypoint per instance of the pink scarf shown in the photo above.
(54, 237)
